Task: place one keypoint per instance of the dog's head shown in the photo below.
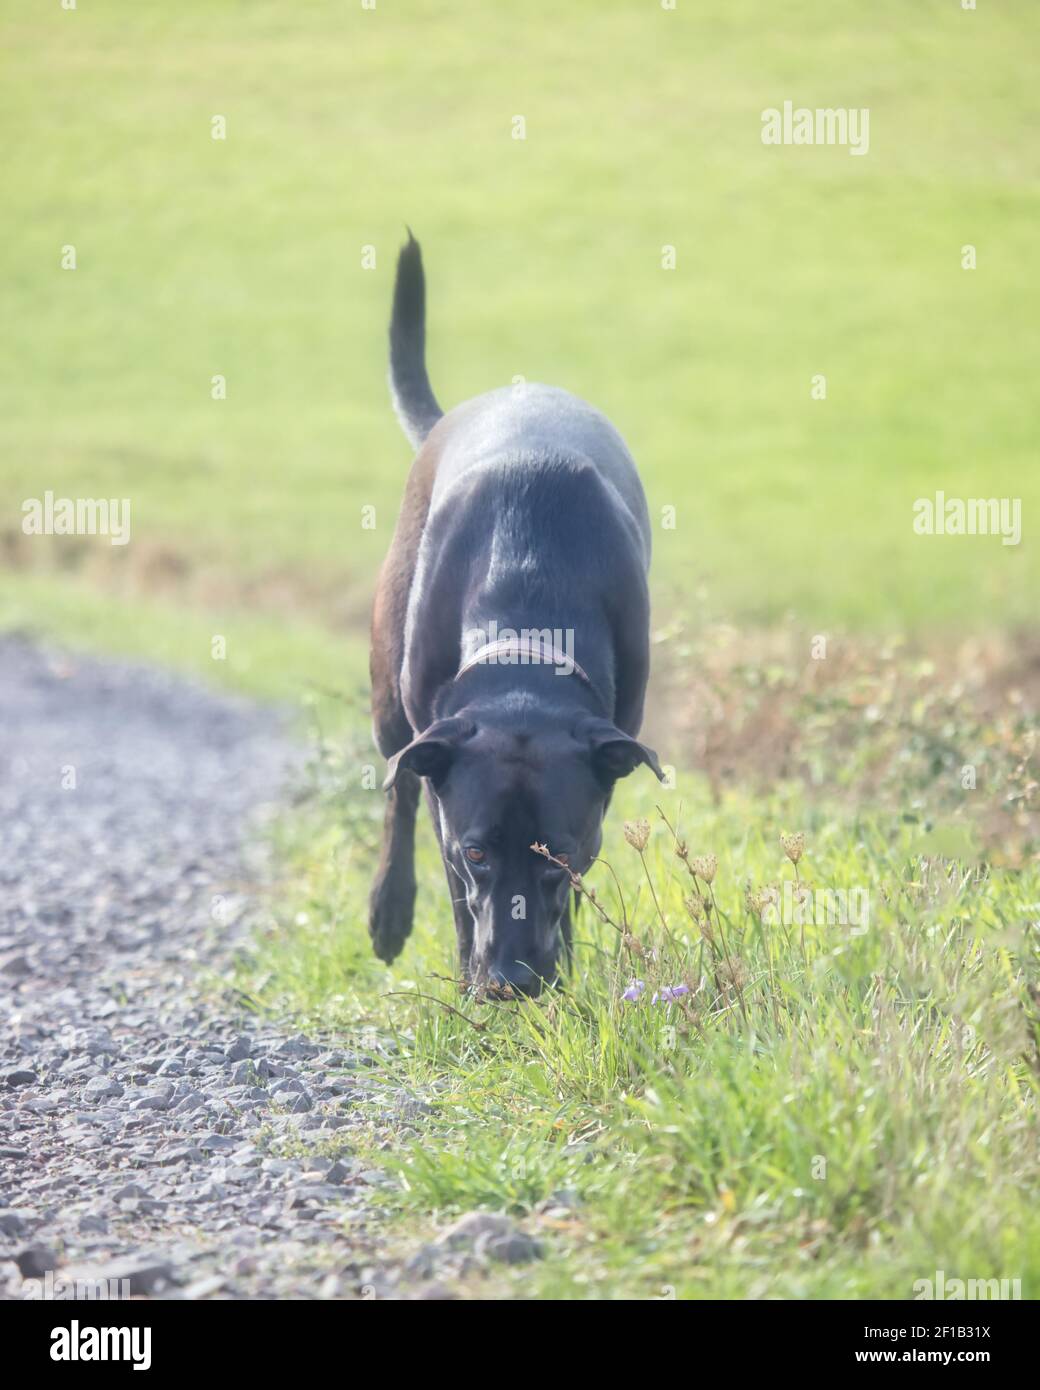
(503, 784)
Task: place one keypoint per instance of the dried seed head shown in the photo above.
(794, 846)
(637, 833)
(704, 866)
(734, 972)
(763, 902)
(631, 944)
(694, 907)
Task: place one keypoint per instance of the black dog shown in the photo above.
(510, 654)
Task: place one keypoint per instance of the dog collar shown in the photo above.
(522, 651)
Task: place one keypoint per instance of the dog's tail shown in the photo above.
(414, 401)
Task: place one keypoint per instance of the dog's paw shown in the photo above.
(390, 912)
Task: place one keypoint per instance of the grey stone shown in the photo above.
(218, 1143)
(424, 1263)
(15, 965)
(468, 1229)
(338, 1172)
(435, 1293)
(202, 1288)
(12, 1223)
(185, 1153)
(34, 1261)
(514, 1248)
(157, 1099)
(18, 1076)
(101, 1087)
(144, 1274)
(130, 1191)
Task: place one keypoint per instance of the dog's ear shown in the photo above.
(615, 754)
(430, 754)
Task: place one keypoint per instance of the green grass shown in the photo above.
(243, 258)
(859, 1113)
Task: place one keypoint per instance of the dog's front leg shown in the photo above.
(463, 917)
(456, 890)
(392, 902)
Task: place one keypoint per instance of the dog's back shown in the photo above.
(528, 424)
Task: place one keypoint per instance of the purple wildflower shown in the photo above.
(670, 993)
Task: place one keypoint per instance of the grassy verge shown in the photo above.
(823, 1108)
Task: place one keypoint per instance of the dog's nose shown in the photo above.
(515, 977)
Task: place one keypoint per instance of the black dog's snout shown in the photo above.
(515, 977)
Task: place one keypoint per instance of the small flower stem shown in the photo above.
(729, 962)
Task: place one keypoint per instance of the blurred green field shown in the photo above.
(243, 258)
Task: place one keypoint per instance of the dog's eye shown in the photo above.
(475, 854)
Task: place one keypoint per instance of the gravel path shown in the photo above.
(145, 1135)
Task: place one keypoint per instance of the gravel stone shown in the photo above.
(12, 1223)
(476, 1225)
(513, 1249)
(144, 1274)
(101, 1087)
(18, 1076)
(35, 1260)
